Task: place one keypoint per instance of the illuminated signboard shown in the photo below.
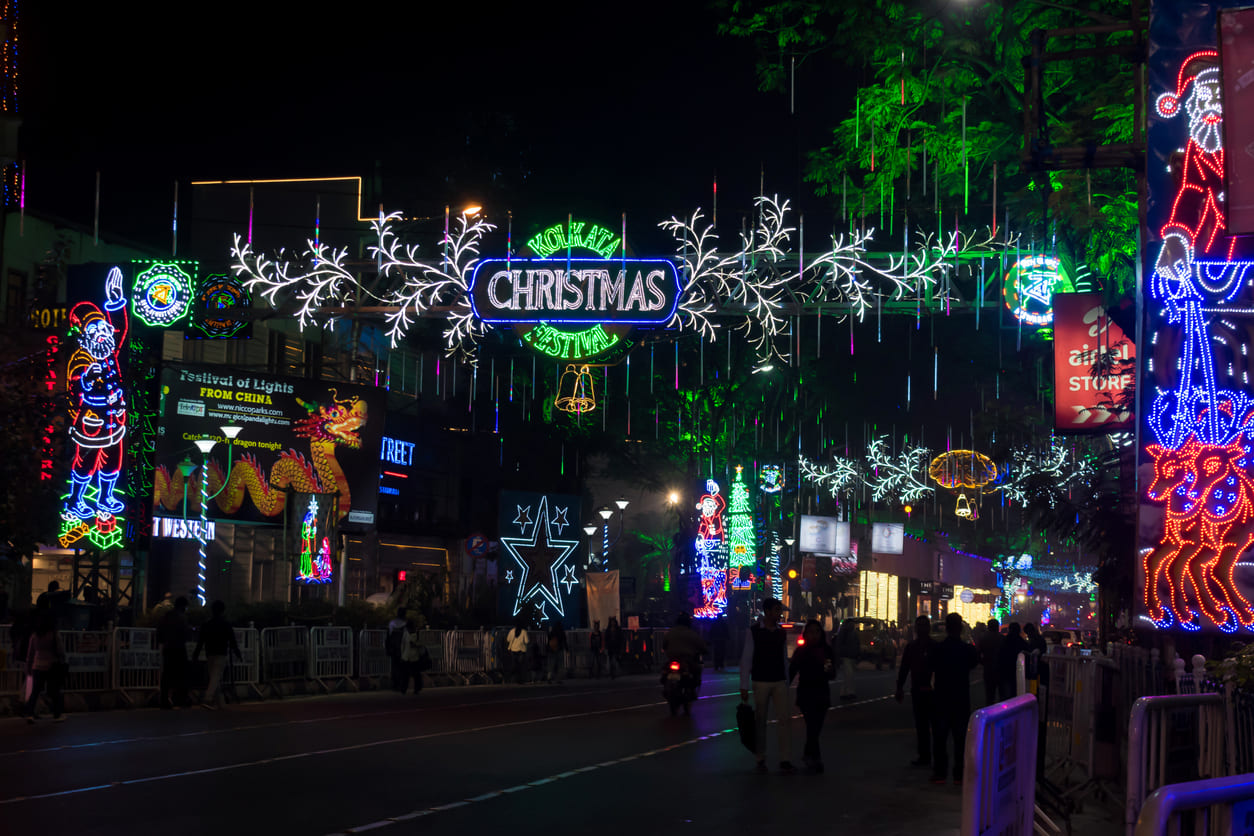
(176, 528)
(162, 294)
(1030, 285)
(395, 451)
(579, 291)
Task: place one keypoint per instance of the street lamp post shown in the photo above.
(590, 529)
(606, 513)
(205, 446)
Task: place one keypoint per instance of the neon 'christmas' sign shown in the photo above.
(97, 419)
(642, 291)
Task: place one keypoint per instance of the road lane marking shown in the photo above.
(337, 749)
(539, 782)
(356, 715)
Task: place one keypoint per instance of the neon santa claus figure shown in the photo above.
(712, 505)
(97, 405)
(1195, 264)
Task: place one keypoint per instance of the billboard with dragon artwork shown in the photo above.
(306, 436)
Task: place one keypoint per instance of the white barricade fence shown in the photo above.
(493, 650)
(1071, 702)
(1194, 681)
(1239, 714)
(1172, 739)
(999, 774)
(579, 657)
(136, 660)
(435, 642)
(246, 671)
(285, 653)
(372, 656)
(12, 668)
(465, 655)
(330, 653)
(87, 654)
(1221, 805)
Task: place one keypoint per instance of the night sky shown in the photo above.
(541, 109)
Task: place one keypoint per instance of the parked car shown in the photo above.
(877, 645)
(1063, 638)
(939, 634)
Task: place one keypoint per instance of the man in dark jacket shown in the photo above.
(990, 644)
(217, 639)
(172, 636)
(556, 650)
(613, 645)
(916, 661)
(952, 663)
(1007, 655)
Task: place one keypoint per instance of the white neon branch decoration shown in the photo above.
(318, 279)
(903, 475)
(840, 476)
(1056, 463)
(425, 286)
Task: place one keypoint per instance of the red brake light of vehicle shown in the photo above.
(801, 640)
(400, 576)
(674, 666)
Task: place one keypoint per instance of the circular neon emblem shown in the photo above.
(162, 294)
(1030, 285)
(220, 307)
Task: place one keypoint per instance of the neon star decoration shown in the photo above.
(524, 517)
(569, 580)
(540, 558)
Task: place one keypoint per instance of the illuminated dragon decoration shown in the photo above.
(327, 426)
(753, 284)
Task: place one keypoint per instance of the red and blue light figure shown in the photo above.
(1205, 435)
(97, 419)
(711, 547)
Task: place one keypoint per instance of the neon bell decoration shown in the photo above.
(97, 419)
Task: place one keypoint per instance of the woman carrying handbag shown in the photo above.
(45, 662)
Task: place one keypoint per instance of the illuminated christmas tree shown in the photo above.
(742, 541)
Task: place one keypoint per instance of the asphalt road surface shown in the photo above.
(586, 757)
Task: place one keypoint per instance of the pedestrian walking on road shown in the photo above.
(394, 644)
(613, 645)
(719, 634)
(516, 643)
(848, 648)
(764, 671)
(596, 644)
(952, 663)
(557, 651)
(813, 665)
(172, 637)
(990, 647)
(45, 663)
(916, 661)
(1007, 657)
(415, 659)
(217, 639)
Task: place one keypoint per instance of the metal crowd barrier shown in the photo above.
(284, 654)
(372, 657)
(1071, 702)
(87, 653)
(1195, 681)
(999, 775)
(1172, 739)
(1239, 713)
(13, 667)
(136, 661)
(1214, 803)
(434, 641)
(331, 655)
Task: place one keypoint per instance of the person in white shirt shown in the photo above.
(516, 641)
(764, 671)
